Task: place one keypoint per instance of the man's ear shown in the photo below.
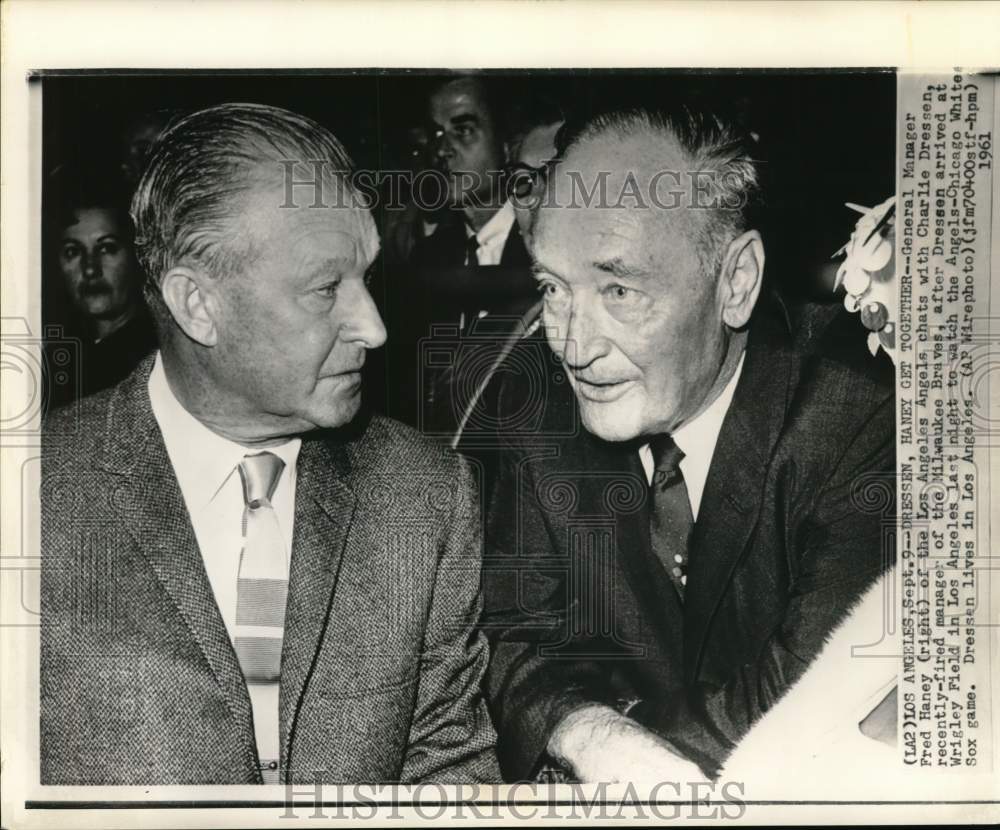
(190, 297)
(742, 276)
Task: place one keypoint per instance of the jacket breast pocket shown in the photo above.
(345, 678)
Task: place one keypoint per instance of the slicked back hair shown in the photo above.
(712, 141)
(202, 170)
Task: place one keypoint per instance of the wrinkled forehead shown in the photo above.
(331, 206)
(624, 185)
(606, 206)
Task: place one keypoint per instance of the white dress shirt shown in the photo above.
(697, 440)
(205, 464)
(493, 235)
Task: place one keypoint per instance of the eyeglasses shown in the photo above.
(523, 179)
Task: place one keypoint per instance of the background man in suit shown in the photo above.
(467, 148)
(472, 266)
(243, 582)
(655, 580)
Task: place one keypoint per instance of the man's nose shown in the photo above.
(442, 147)
(366, 326)
(91, 265)
(583, 339)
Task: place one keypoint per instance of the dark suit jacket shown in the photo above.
(794, 523)
(433, 360)
(95, 366)
(446, 247)
(381, 666)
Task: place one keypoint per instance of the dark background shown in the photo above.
(825, 137)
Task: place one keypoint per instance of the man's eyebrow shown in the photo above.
(617, 267)
(464, 118)
(324, 267)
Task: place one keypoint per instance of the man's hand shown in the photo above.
(601, 745)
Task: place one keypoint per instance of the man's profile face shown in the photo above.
(464, 145)
(296, 321)
(538, 145)
(536, 149)
(628, 308)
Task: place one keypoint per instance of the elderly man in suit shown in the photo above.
(668, 549)
(242, 581)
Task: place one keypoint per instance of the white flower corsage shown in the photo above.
(868, 274)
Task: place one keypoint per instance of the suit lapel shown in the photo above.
(446, 246)
(324, 507)
(648, 582)
(514, 253)
(152, 509)
(731, 503)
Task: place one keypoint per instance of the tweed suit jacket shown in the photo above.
(381, 666)
(793, 526)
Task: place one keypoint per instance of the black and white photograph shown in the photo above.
(504, 435)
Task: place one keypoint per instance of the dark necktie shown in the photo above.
(472, 251)
(670, 518)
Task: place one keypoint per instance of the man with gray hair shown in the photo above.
(244, 580)
(655, 580)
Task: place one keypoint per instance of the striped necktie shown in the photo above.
(262, 585)
(670, 518)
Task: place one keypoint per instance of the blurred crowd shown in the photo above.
(456, 158)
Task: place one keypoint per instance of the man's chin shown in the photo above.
(97, 305)
(610, 422)
(338, 415)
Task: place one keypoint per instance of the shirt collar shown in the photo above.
(202, 459)
(697, 438)
(498, 226)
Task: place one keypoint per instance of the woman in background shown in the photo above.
(107, 330)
